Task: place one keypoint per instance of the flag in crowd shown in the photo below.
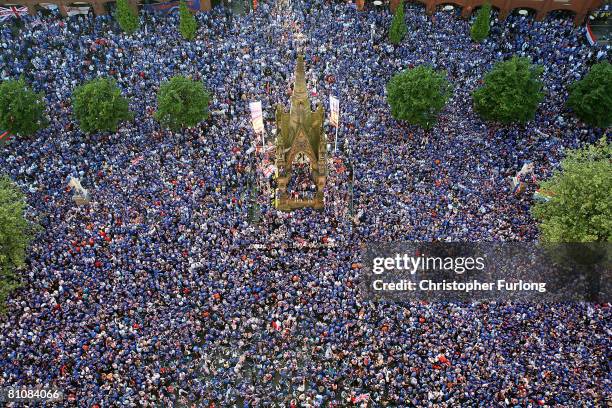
(137, 160)
(257, 116)
(589, 34)
(13, 11)
(527, 169)
(269, 170)
(360, 398)
(334, 109)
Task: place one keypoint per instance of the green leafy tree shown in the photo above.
(591, 97)
(126, 17)
(182, 102)
(22, 111)
(418, 95)
(398, 26)
(15, 236)
(579, 208)
(99, 107)
(187, 25)
(482, 24)
(511, 92)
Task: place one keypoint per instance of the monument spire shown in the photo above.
(299, 88)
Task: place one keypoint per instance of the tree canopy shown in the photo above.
(187, 25)
(398, 28)
(99, 107)
(579, 208)
(182, 102)
(482, 24)
(22, 111)
(511, 92)
(126, 17)
(15, 236)
(591, 97)
(418, 95)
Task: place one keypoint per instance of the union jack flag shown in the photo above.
(137, 160)
(12, 11)
(360, 398)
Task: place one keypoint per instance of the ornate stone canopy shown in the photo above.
(300, 131)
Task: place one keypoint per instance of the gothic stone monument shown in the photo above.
(300, 133)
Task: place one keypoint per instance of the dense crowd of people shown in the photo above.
(161, 293)
(301, 185)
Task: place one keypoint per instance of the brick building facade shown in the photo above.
(581, 8)
(99, 6)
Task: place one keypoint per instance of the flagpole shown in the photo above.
(336, 143)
